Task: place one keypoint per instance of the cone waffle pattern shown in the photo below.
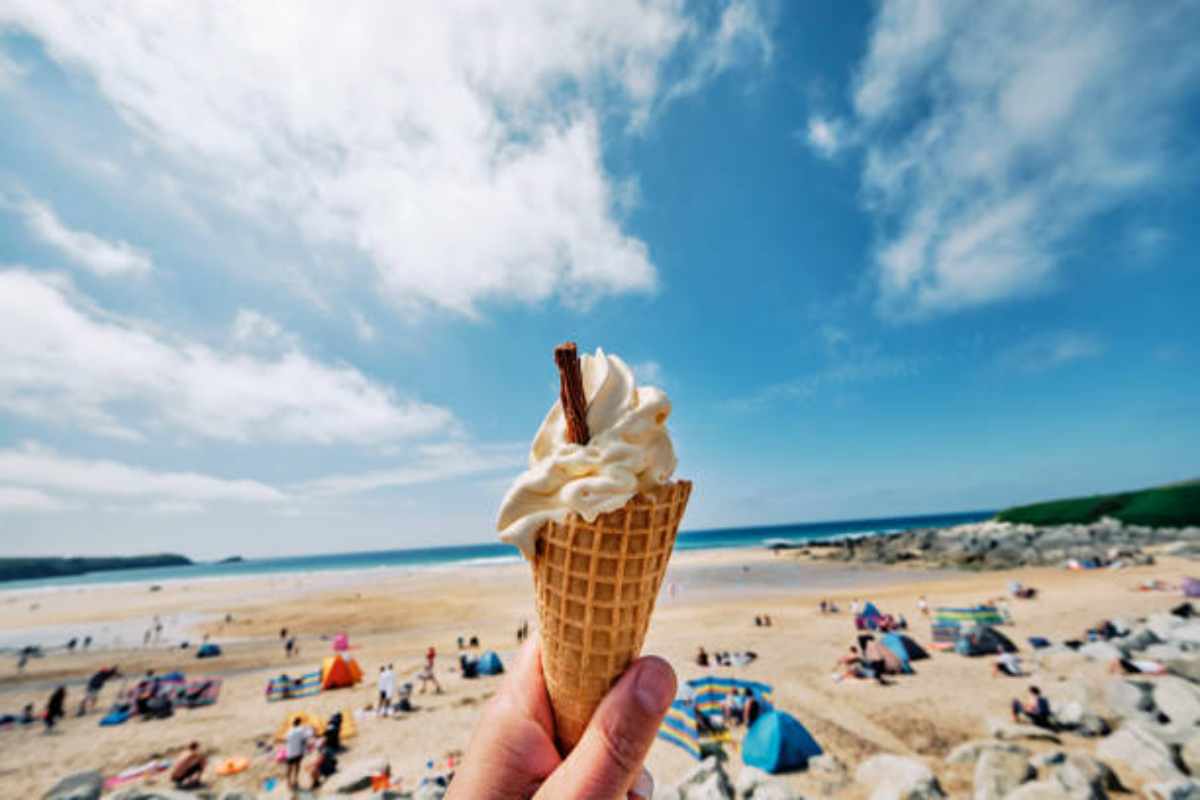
(596, 584)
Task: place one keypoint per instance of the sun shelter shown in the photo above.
(490, 664)
(914, 651)
(983, 640)
(777, 742)
(338, 671)
(208, 650)
(288, 688)
(1191, 587)
(306, 718)
(891, 643)
(974, 615)
(688, 722)
(869, 618)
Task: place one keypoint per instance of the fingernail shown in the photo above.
(644, 788)
(655, 685)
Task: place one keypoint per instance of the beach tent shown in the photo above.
(1191, 587)
(913, 650)
(983, 640)
(894, 644)
(305, 685)
(681, 728)
(208, 650)
(892, 663)
(490, 664)
(704, 696)
(869, 618)
(338, 671)
(777, 742)
(974, 615)
(311, 720)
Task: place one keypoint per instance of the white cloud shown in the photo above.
(363, 328)
(255, 329)
(430, 464)
(100, 256)
(20, 499)
(994, 132)
(10, 71)
(1048, 351)
(825, 136)
(65, 362)
(860, 368)
(34, 466)
(455, 145)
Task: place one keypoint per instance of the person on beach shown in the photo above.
(701, 656)
(94, 686)
(189, 770)
(289, 647)
(381, 704)
(923, 605)
(1136, 666)
(1008, 664)
(512, 752)
(294, 744)
(1035, 708)
(54, 707)
(426, 675)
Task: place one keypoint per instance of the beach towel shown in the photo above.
(232, 766)
(289, 688)
(136, 773)
(1038, 642)
(115, 717)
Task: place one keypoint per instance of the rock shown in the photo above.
(1182, 789)
(1141, 638)
(1186, 668)
(828, 765)
(892, 777)
(357, 776)
(755, 784)
(1178, 699)
(237, 796)
(1104, 652)
(1012, 731)
(1164, 652)
(80, 786)
(429, 791)
(1187, 634)
(969, 752)
(707, 781)
(151, 793)
(1093, 726)
(1137, 747)
(998, 772)
(1189, 754)
(1127, 699)
(1162, 623)
(1084, 778)
(1038, 790)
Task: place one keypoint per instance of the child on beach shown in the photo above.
(426, 674)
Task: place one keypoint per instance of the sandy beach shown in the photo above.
(710, 599)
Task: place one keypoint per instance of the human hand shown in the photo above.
(512, 754)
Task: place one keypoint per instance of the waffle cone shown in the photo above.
(596, 584)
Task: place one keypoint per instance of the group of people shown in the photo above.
(392, 698)
(522, 632)
(296, 744)
(828, 607)
(862, 661)
(762, 621)
(724, 658)
(290, 648)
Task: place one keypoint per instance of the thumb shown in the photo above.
(608, 759)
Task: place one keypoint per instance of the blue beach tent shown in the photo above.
(208, 650)
(777, 742)
(490, 664)
(894, 643)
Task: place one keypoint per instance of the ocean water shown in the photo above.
(497, 552)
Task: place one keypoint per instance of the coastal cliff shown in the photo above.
(19, 569)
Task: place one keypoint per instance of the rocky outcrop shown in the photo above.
(1137, 747)
(706, 781)
(891, 777)
(80, 786)
(998, 772)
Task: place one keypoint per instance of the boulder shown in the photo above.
(1182, 789)
(237, 796)
(357, 776)
(1104, 652)
(152, 793)
(706, 781)
(1012, 731)
(1093, 726)
(429, 791)
(998, 772)
(1186, 634)
(1186, 668)
(1162, 623)
(1128, 699)
(1164, 652)
(754, 784)
(827, 765)
(1136, 746)
(1178, 699)
(1084, 778)
(1189, 754)
(79, 786)
(1038, 790)
(1141, 638)
(892, 777)
(969, 752)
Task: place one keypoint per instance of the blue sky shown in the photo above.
(281, 284)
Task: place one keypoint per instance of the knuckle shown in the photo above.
(622, 748)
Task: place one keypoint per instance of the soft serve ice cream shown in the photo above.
(629, 451)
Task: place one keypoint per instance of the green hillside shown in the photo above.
(1174, 506)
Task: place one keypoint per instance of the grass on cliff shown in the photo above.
(1172, 506)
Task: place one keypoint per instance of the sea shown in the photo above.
(498, 552)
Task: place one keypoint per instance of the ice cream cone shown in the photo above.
(596, 584)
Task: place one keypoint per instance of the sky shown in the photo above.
(281, 280)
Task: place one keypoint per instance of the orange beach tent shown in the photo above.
(338, 671)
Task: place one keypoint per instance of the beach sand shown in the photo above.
(393, 616)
